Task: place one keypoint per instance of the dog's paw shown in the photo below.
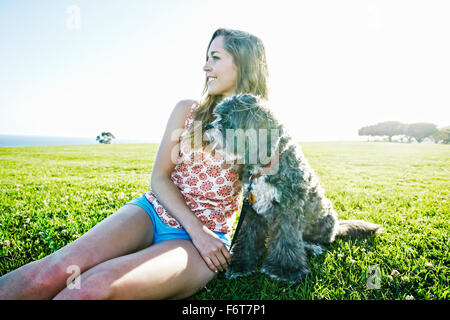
(231, 274)
(236, 270)
(290, 276)
(313, 249)
(240, 267)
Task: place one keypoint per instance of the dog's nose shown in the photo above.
(208, 126)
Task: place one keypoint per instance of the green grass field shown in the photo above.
(52, 195)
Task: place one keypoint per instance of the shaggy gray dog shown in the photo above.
(288, 212)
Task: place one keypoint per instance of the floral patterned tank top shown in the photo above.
(211, 187)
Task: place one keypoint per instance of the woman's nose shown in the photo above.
(207, 67)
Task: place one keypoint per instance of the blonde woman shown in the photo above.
(172, 240)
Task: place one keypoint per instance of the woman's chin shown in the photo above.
(212, 92)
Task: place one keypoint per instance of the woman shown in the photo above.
(142, 251)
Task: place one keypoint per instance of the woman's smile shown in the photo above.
(211, 79)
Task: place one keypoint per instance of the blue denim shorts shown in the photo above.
(162, 231)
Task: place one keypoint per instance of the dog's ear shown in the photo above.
(269, 142)
(247, 98)
(268, 125)
(220, 108)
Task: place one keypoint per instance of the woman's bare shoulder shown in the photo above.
(179, 114)
(186, 104)
(183, 106)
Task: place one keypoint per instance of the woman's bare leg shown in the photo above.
(172, 269)
(127, 230)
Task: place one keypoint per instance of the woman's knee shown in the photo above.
(45, 274)
(36, 280)
(54, 272)
(94, 286)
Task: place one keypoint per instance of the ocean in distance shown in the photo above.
(31, 141)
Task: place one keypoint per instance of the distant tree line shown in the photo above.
(105, 138)
(418, 131)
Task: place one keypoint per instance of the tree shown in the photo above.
(387, 128)
(442, 135)
(391, 128)
(368, 131)
(420, 131)
(364, 131)
(105, 138)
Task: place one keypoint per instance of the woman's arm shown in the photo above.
(168, 193)
(210, 247)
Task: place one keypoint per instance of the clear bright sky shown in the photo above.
(77, 68)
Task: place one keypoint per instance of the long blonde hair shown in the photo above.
(249, 56)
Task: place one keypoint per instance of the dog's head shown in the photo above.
(245, 130)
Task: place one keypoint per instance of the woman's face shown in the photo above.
(220, 70)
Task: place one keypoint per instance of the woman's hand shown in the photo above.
(211, 248)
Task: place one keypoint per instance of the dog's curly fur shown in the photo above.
(291, 215)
